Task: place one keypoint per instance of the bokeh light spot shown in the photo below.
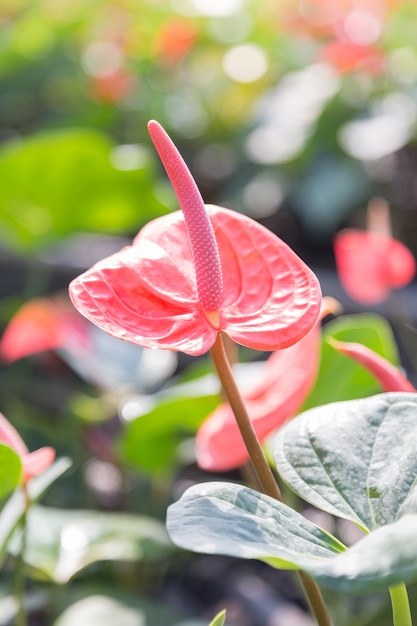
(245, 63)
(102, 58)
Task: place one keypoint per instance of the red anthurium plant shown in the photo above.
(193, 276)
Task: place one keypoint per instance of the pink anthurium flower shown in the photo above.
(286, 380)
(371, 264)
(389, 377)
(34, 463)
(42, 324)
(193, 274)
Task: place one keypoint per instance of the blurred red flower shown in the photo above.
(371, 264)
(112, 87)
(346, 56)
(174, 40)
(42, 324)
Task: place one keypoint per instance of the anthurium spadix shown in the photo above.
(197, 272)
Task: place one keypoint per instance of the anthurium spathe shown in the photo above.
(195, 273)
(389, 377)
(371, 264)
(34, 463)
(42, 324)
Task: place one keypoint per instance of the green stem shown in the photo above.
(21, 616)
(400, 605)
(261, 466)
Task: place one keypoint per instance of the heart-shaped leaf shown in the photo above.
(355, 459)
(223, 518)
(229, 519)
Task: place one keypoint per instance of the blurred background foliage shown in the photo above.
(296, 112)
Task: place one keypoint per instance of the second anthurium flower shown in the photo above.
(33, 463)
(195, 273)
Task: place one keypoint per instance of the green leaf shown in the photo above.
(60, 543)
(355, 459)
(219, 619)
(60, 181)
(228, 519)
(151, 441)
(382, 559)
(349, 380)
(14, 509)
(10, 470)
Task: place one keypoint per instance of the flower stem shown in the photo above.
(19, 582)
(400, 605)
(227, 379)
(262, 469)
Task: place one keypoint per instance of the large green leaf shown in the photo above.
(341, 378)
(59, 543)
(10, 470)
(60, 181)
(14, 509)
(151, 441)
(355, 459)
(224, 518)
(228, 519)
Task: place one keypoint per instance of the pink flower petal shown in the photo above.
(370, 265)
(41, 324)
(286, 380)
(389, 377)
(34, 463)
(147, 293)
(10, 436)
(272, 299)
